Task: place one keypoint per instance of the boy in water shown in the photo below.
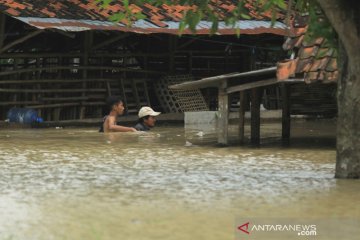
(146, 119)
(116, 107)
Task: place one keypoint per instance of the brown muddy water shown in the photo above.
(166, 184)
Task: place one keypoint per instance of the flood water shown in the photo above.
(76, 183)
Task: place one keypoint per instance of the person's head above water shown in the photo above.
(147, 116)
(115, 104)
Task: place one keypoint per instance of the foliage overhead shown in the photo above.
(201, 10)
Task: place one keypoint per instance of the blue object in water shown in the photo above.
(23, 115)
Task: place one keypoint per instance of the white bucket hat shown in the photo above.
(147, 111)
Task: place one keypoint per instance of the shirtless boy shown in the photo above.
(116, 107)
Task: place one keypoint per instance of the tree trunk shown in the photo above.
(348, 124)
(344, 17)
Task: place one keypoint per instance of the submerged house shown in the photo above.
(63, 58)
(313, 61)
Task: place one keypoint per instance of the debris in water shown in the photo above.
(200, 134)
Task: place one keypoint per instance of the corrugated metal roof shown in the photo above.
(80, 15)
(141, 26)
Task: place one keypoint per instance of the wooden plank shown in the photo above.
(11, 90)
(216, 80)
(122, 69)
(57, 105)
(251, 85)
(255, 116)
(20, 40)
(223, 114)
(243, 100)
(285, 89)
(18, 103)
(63, 98)
(55, 81)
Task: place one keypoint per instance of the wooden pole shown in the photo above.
(243, 100)
(2, 29)
(223, 114)
(255, 116)
(172, 48)
(87, 48)
(190, 62)
(286, 119)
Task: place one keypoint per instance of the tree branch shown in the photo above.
(342, 17)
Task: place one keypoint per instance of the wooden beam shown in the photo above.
(243, 102)
(59, 54)
(286, 118)
(67, 34)
(187, 43)
(88, 41)
(172, 48)
(57, 99)
(223, 114)
(56, 81)
(251, 85)
(255, 116)
(2, 29)
(215, 81)
(79, 68)
(21, 90)
(19, 103)
(109, 41)
(57, 105)
(20, 40)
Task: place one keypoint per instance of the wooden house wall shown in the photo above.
(67, 75)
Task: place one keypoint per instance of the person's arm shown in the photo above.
(113, 127)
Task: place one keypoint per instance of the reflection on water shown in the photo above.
(80, 184)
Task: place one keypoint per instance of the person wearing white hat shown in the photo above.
(146, 119)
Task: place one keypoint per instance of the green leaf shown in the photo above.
(281, 4)
(117, 17)
(182, 27)
(139, 15)
(104, 3)
(237, 31)
(245, 16)
(214, 27)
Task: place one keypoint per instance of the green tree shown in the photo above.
(340, 24)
